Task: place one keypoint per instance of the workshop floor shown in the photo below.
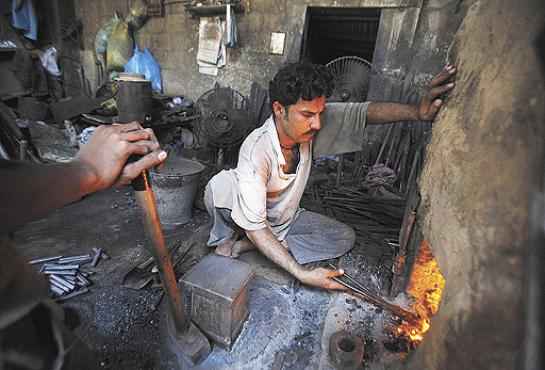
(288, 327)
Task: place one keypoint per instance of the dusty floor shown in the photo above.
(288, 327)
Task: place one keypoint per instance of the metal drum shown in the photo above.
(134, 98)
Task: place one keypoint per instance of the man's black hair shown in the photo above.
(300, 81)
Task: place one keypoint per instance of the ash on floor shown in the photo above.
(287, 328)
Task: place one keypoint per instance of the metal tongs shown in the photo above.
(357, 289)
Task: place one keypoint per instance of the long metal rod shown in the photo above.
(355, 288)
(152, 225)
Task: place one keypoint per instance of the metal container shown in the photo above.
(134, 98)
(216, 293)
(175, 186)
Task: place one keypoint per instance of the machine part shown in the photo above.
(346, 350)
(175, 186)
(225, 118)
(187, 339)
(351, 75)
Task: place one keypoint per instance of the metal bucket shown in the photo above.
(175, 187)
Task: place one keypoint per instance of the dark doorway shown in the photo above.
(335, 32)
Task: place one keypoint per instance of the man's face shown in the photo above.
(300, 121)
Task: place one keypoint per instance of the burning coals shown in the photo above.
(66, 277)
(425, 287)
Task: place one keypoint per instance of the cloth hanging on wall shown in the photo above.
(231, 40)
(211, 54)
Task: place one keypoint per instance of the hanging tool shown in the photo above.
(187, 338)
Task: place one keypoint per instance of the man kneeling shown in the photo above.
(257, 203)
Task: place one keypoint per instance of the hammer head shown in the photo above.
(189, 346)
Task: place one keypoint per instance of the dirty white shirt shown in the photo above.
(258, 192)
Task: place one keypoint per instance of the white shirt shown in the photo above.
(258, 192)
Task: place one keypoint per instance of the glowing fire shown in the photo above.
(426, 288)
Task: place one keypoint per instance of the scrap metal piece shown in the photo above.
(346, 350)
(60, 272)
(51, 267)
(104, 255)
(72, 295)
(45, 259)
(96, 257)
(56, 290)
(83, 280)
(67, 260)
(66, 284)
(55, 284)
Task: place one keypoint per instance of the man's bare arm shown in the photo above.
(267, 243)
(29, 191)
(383, 112)
(426, 110)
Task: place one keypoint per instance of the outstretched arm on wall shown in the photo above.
(426, 110)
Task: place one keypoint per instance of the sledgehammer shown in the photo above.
(186, 338)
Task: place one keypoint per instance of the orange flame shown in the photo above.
(426, 286)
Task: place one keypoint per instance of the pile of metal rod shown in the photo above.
(359, 290)
(373, 219)
(67, 278)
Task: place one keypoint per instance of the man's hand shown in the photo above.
(104, 157)
(441, 84)
(321, 277)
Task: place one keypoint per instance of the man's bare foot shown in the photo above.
(241, 246)
(225, 248)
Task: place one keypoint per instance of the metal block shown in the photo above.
(216, 292)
